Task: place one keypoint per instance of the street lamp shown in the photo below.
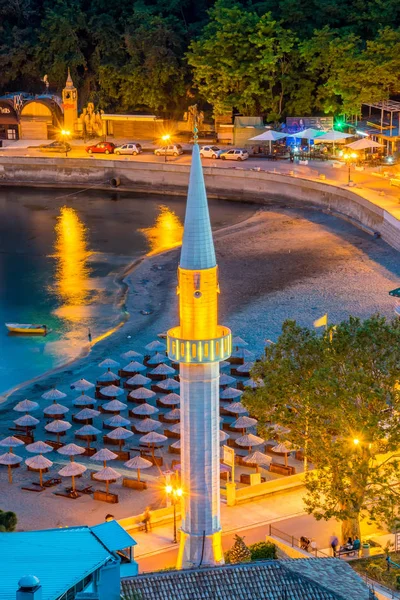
(175, 492)
(166, 138)
(65, 135)
(348, 158)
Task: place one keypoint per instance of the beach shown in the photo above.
(280, 262)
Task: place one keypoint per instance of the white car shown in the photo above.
(129, 148)
(234, 154)
(173, 150)
(210, 152)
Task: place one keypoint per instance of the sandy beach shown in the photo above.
(280, 263)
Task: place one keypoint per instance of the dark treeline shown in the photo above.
(273, 58)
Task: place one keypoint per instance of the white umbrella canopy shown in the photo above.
(364, 144)
(145, 409)
(142, 394)
(39, 462)
(269, 136)
(157, 359)
(71, 450)
(170, 399)
(225, 379)
(132, 354)
(112, 391)
(156, 346)
(172, 415)
(333, 136)
(163, 369)
(114, 406)
(11, 442)
(104, 454)
(138, 462)
(9, 459)
(55, 409)
(258, 458)
(120, 434)
(249, 440)
(236, 408)
(134, 367)
(82, 385)
(39, 447)
(54, 394)
(107, 474)
(58, 427)
(109, 363)
(72, 469)
(230, 393)
(147, 425)
(138, 379)
(87, 413)
(169, 384)
(244, 423)
(26, 406)
(107, 376)
(27, 421)
(153, 438)
(117, 421)
(84, 400)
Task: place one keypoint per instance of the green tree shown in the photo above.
(239, 552)
(328, 391)
(8, 520)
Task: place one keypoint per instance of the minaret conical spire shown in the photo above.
(69, 83)
(197, 246)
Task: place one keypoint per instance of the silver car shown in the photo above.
(210, 152)
(234, 154)
(172, 150)
(129, 148)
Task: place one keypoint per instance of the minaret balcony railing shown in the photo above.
(199, 351)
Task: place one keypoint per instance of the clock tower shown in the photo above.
(70, 104)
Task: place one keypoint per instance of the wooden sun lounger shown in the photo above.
(86, 490)
(70, 495)
(29, 489)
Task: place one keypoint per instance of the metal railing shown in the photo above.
(295, 542)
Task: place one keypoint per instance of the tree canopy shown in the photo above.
(337, 397)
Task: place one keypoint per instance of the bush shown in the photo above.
(8, 520)
(263, 551)
(239, 552)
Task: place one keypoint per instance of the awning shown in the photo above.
(113, 536)
(8, 119)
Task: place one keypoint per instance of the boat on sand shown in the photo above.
(27, 328)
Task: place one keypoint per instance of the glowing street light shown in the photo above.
(65, 134)
(348, 157)
(166, 138)
(175, 493)
(356, 441)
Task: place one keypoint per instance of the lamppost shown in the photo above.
(348, 158)
(65, 135)
(175, 492)
(166, 138)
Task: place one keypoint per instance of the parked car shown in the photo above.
(55, 147)
(210, 152)
(234, 154)
(129, 148)
(101, 148)
(173, 150)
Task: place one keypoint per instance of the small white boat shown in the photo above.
(27, 328)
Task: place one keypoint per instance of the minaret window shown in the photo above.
(196, 280)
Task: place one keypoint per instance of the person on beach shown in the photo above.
(147, 519)
(89, 336)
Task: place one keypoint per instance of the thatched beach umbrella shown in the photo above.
(83, 400)
(26, 406)
(115, 406)
(236, 408)
(280, 429)
(117, 421)
(87, 432)
(104, 455)
(27, 421)
(244, 423)
(258, 458)
(141, 395)
(156, 346)
(108, 378)
(253, 384)
(11, 442)
(173, 415)
(176, 445)
(54, 394)
(147, 425)
(161, 372)
(175, 428)
(39, 447)
(170, 400)
(58, 427)
(223, 364)
(132, 368)
(55, 410)
(107, 474)
(249, 440)
(72, 469)
(132, 355)
(242, 355)
(121, 434)
(136, 381)
(168, 385)
(230, 393)
(157, 359)
(245, 368)
(283, 449)
(71, 450)
(223, 436)
(238, 342)
(144, 410)
(82, 385)
(109, 363)
(10, 460)
(39, 463)
(153, 438)
(86, 414)
(225, 379)
(138, 462)
(112, 391)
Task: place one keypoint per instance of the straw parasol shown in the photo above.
(115, 406)
(117, 421)
(40, 463)
(55, 410)
(173, 415)
(230, 394)
(176, 445)
(223, 436)
(107, 376)
(170, 400)
(109, 363)
(72, 469)
(144, 409)
(120, 434)
(257, 458)
(39, 447)
(71, 450)
(244, 423)
(138, 462)
(153, 438)
(283, 449)
(225, 379)
(137, 381)
(27, 421)
(280, 429)
(112, 391)
(249, 440)
(175, 428)
(84, 400)
(245, 368)
(104, 455)
(236, 408)
(147, 425)
(157, 359)
(86, 414)
(82, 385)
(10, 460)
(169, 385)
(243, 354)
(141, 394)
(132, 354)
(133, 367)
(54, 394)
(253, 384)
(107, 474)
(26, 406)
(58, 427)
(11, 442)
(156, 346)
(162, 371)
(224, 363)
(87, 431)
(238, 342)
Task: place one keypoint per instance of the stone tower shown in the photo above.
(198, 344)
(70, 104)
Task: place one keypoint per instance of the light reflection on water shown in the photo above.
(166, 233)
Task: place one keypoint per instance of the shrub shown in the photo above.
(8, 520)
(263, 551)
(239, 552)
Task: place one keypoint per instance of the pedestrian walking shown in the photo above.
(147, 519)
(333, 542)
(89, 336)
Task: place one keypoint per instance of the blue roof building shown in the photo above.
(74, 562)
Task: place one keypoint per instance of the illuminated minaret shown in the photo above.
(198, 344)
